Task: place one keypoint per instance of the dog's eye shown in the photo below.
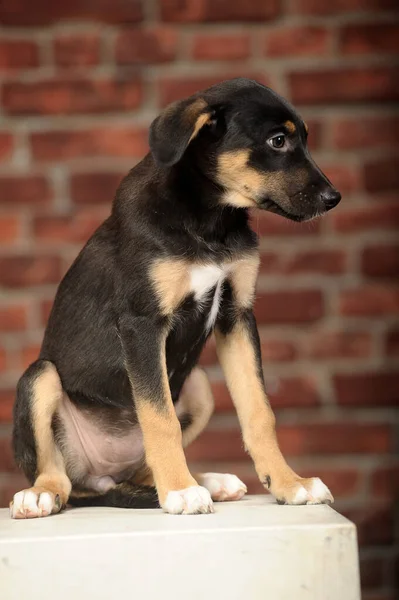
(278, 141)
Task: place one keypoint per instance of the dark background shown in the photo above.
(81, 80)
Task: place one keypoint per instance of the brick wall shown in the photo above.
(80, 82)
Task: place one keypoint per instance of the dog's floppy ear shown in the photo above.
(176, 126)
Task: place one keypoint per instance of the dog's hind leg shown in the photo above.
(39, 394)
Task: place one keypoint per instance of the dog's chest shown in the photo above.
(206, 282)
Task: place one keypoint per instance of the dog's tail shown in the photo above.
(123, 495)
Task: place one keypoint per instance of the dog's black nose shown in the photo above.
(330, 197)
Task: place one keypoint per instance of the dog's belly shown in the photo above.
(92, 452)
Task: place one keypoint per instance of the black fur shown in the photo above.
(23, 440)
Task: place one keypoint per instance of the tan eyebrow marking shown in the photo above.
(290, 126)
(306, 127)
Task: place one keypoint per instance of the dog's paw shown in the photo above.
(33, 503)
(223, 487)
(193, 500)
(305, 491)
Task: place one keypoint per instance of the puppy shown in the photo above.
(103, 415)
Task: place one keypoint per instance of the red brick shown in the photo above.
(215, 445)
(323, 345)
(375, 524)
(335, 438)
(313, 439)
(74, 229)
(94, 188)
(221, 46)
(366, 218)
(24, 190)
(209, 356)
(10, 229)
(385, 481)
(46, 11)
(307, 261)
(346, 178)
(23, 271)
(45, 309)
(369, 38)
(291, 392)
(7, 464)
(13, 318)
(29, 354)
(381, 260)
(277, 350)
(372, 301)
(223, 401)
(18, 54)
(267, 224)
(370, 132)
(176, 88)
(297, 41)
(3, 360)
(187, 11)
(315, 133)
(315, 7)
(371, 572)
(392, 343)
(272, 351)
(107, 141)
(367, 389)
(149, 46)
(381, 175)
(6, 403)
(71, 96)
(291, 306)
(77, 49)
(6, 145)
(346, 85)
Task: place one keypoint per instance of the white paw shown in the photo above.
(315, 492)
(190, 501)
(223, 486)
(30, 504)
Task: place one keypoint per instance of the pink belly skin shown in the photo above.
(95, 456)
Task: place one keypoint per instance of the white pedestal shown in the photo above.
(248, 550)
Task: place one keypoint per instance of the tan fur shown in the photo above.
(237, 358)
(244, 184)
(194, 109)
(200, 122)
(306, 127)
(290, 126)
(162, 437)
(243, 279)
(163, 448)
(171, 281)
(197, 116)
(196, 399)
(47, 395)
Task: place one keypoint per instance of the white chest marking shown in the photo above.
(203, 279)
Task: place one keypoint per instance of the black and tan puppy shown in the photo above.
(103, 415)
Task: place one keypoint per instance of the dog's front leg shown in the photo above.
(239, 353)
(143, 342)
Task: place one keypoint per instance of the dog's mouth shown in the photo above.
(275, 208)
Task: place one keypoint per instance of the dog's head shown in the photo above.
(251, 143)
